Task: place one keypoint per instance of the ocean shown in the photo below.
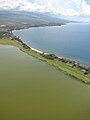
(71, 40)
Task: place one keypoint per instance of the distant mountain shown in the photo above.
(32, 18)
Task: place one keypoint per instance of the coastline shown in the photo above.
(67, 66)
(74, 51)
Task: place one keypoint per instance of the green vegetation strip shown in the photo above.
(74, 72)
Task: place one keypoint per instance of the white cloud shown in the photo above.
(64, 7)
(67, 7)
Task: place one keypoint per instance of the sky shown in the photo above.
(60, 7)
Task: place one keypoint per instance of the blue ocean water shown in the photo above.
(71, 40)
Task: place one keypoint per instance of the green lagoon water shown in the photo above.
(33, 90)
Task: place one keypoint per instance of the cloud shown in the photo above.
(13, 4)
(64, 7)
(67, 7)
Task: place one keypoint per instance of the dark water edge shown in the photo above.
(32, 90)
(71, 40)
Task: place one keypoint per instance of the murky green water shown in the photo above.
(33, 90)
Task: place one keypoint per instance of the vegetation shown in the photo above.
(68, 66)
(49, 56)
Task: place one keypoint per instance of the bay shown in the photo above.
(71, 40)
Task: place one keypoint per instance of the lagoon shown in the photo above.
(33, 90)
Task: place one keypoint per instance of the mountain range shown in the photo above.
(18, 18)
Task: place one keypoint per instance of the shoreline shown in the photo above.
(68, 66)
(82, 62)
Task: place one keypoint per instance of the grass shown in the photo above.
(74, 72)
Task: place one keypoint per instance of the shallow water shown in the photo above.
(71, 40)
(33, 90)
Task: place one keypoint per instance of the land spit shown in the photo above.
(68, 66)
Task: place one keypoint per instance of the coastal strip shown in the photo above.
(68, 66)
